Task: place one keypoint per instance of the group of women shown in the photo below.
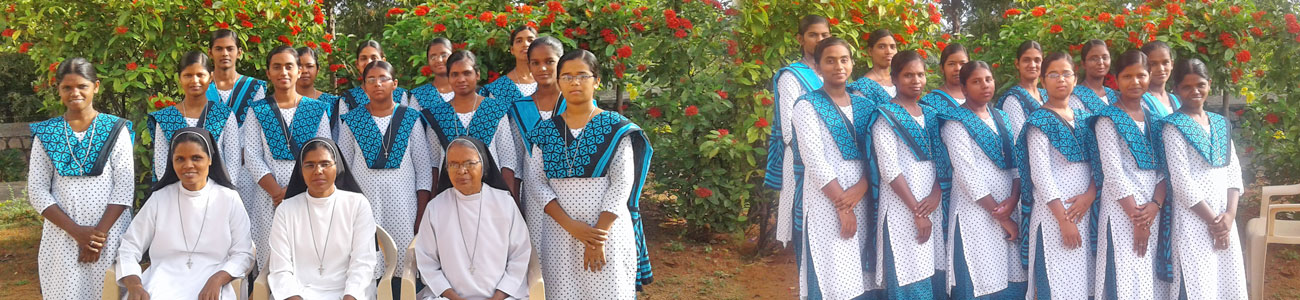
(524, 179)
(1061, 188)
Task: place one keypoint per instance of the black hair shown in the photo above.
(307, 51)
(491, 173)
(1157, 45)
(1190, 66)
(827, 43)
(1026, 46)
(200, 136)
(192, 58)
(224, 33)
(1130, 58)
(378, 64)
(342, 181)
(462, 55)
(902, 59)
(76, 66)
(371, 44)
(810, 20)
(949, 51)
(1053, 57)
(581, 55)
(281, 49)
(435, 41)
(1087, 47)
(546, 41)
(521, 28)
(877, 35)
(969, 68)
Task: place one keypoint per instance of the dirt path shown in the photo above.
(18, 247)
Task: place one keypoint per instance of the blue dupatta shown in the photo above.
(776, 146)
(1027, 103)
(920, 140)
(524, 113)
(868, 88)
(1214, 147)
(372, 143)
(442, 119)
(427, 95)
(283, 143)
(502, 88)
(1075, 144)
(169, 120)
(1157, 109)
(241, 96)
(355, 97)
(1090, 99)
(940, 99)
(84, 157)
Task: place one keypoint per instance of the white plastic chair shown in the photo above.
(1267, 229)
(114, 291)
(262, 291)
(408, 274)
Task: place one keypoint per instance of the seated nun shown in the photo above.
(472, 243)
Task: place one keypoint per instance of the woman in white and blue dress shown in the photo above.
(323, 238)
(197, 110)
(949, 95)
(593, 246)
(985, 191)
(780, 174)
(438, 89)
(909, 229)
(386, 141)
(1160, 61)
(468, 113)
(1132, 191)
(275, 129)
(1091, 94)
(1205, 177)
(1025, 97)
(228, 87)
(367, 52)
(81, 179)
(1058, 190)
(831, 127)
(518, 82)
(309, 67)
(193, 226)
(876, 84)
(527, 114)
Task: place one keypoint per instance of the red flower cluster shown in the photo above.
(638, 27)
(1243, 56)
(9, 32)
(766, 101)
(421, 10)
(394, 11)
(624, 52)
(1038, 11)
(723, 132)
(1011, 12)
(492, 76)
(762, 122)
(609, 36)
(1291, 25)
(246, 24)
(310, 44)
(654, 112)
(1256, 31)
(296, 30)
(485, 16)
(120, 30)
(703, 192)
(1235, 9)
(1228, 40)
(24, 47)
(325, 46)
(555, 7)
(335, 67)
(502, 21)
(1271, 118)
(1056, 29)
(254, 39)
(1104, 17)
(722, 94)
(681, 34)
(691, 111)
(341, 81)
(1119, 21)
(1174, 9)
(222, 25)
(131, 66)
(619, 70)
(285, 40)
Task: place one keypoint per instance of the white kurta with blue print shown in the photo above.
(1056, 178)
(230, 143)
(789, 90)
(983, 241)
(1203, 271)
(912, 261)
(1135, 278)
(259, 162)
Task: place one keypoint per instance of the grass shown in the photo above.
(1289, 254)
(17, 213)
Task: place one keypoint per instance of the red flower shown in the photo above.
(582, 31)
(996, 65)
(1119, 21)
(319, 19)
(492, 76)
(394, 11)
(159, 104)
(1256, 31)
(295, 29)
(1104, 17)
(502, 21)
(120, 30)
(1243, 56)
(438, 28)
(311, 44)
(223, 25)
(1187, 36)
(1235, 9)
(1271, 118)
(681, 34)
(641, 68)
(1200, 35)
(899, 38)
(686, 23)
(131, 66)
(619, 69)
(638, 27)
(936, 18)
(1056, 29)
(762, 122)
(1149, 27)
(1203, 50)
(254, 39)
(767, 101)
(1011, 12)
(669, 14)
(491, 41)
(615, 6)
(1038, 11)
(1228, 40)
(207, 3)
(531, 24)
(723, 132)
(325, 46)
(485, 16)
(1236, 75)
(722, 93)
(1174, 9)
(24, 47)
(421, 10)
(426, 71)
(153, 66)
(834, 21)
(9, 32)
(335, 67)
(731, 12)
(555, 7)
(692, 111)
(329, 37)
(625, 51)
(1239, 112)
(703, 192)
(654, 112)
(285, 40)
(341, 81)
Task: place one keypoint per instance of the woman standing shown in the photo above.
(1160, 61)
(949, 95)
(985, 190)
(196, 110)
(1091, 94)
(470, 114)
(228, 87)
(1133, 188)
(1206, 184)
(909, 230)
(211, 247)
(278, 126)
(529, 112)
(594, 249)
(1058, 190)
(306, 84)
(1024, 98)
(81, 180)
(876, 84)
(368, 52)
(788, 84)
(519, 82)
(439, 89)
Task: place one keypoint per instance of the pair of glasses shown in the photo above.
(465, 166)
(379, 80)
(572, 79)
(1055, 76)
(440, 56)
(313, 166)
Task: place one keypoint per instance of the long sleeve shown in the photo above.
(324, 129)
(254, 144)
(885, 143)
(514, 282)
(505, 148)
(361, 267)
(40, 175)
(419, 151)
(348, 147)
(232, 152)
(1040, 166)
(1187, 190)
(160, 149)
(962, 152)
(535, 182)
(817, 171)
(1235, 168)
(136, 240)
(281, 277)
(620, 179)
(239, 259)
(436, 151)
(789, 90)
(123, 171)
(1011, 105)
(1110, 150)
(426, 254)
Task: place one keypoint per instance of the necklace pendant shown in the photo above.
(189, 263)
(471, 270)
(320, 270)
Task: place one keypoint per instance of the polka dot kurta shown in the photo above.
(230, 144)
(992, 259)
(1202, 271)
(835, 261)
(259, 162)
(789, 90)
(84, 199)
(912, 261)
(1134, 276)
(504, 146)
(1055, 178)
(1075, 103)
(1014, 109)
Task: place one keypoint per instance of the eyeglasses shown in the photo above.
(313, 166)
(379, 80)
(1098, 59)
(1055, 76)
(572, 79)
(440, 56)
(465, 166)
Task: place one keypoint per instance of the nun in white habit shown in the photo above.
(472, 243)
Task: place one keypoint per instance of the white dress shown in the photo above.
(505, 144)
(1056, 178)
(992, 260)
(189, 235)
(837, 261)
(584, 199)
(230, 143)
(392, 192)
(84, 199)
(259, 162)
(913, 262)
(415, 104)
(340, 229)
(892, 90)
(790, 90)
(474, 244)
(1011, 105)
(1204, 272)
(1134, 277)
(1075, 103)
